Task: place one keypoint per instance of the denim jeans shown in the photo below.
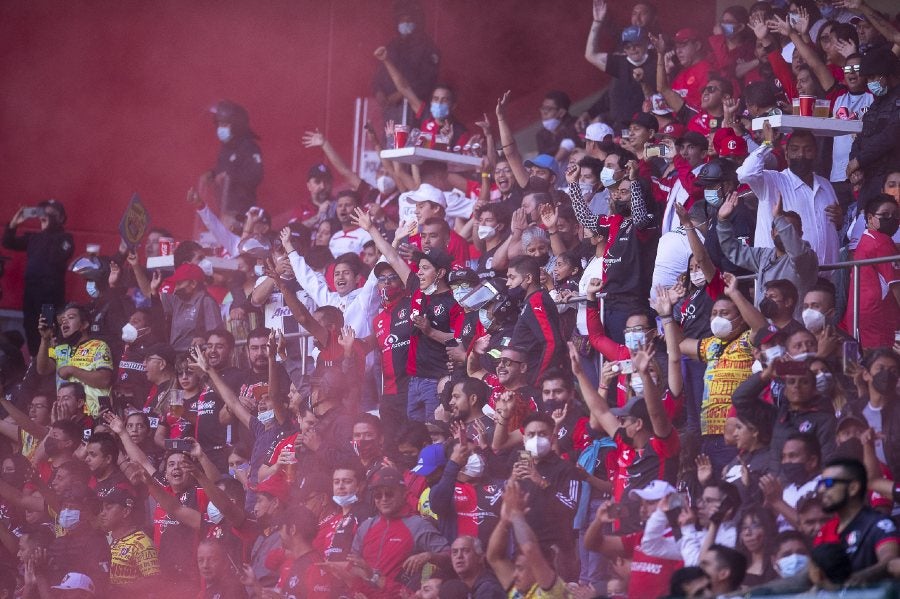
(422, 400)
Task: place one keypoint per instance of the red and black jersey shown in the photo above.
(862, 537)
(393, 332)
(649, 575)
(629, 257)
(428, 358)
(305, 579)
(335, 537)
(636, 468)
(538, 334)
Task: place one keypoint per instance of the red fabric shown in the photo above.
(879, 313)
(783, 73)
(649, 575)
(457, 247)
(689, 82)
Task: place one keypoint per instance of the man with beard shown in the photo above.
(78, 358)
(800, 190)
(467, 399)
(869, 537)
(350, 238)
(190, 308)
(791, 259)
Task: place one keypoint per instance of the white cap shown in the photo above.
(76, 581)
(658, 105)
(93, 248)
(428, 193)
(655, 491)
(598, 132)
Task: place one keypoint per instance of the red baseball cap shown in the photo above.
(187, 272)
(673, 130)
(728, 145)
(686, 35)
(276, 486)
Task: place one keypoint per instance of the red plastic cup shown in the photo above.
(166, 246)
(401, 134)
(807, 103)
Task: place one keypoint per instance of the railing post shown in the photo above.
(855, 291)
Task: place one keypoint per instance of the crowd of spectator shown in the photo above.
(615, 367)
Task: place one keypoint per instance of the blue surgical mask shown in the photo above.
(212, 512)
(607, 177)
(69, 518)
(223, 132)
(728, 29)
(876, 88)
(550, 124)
(485, 319)
(712, 197)
(266, 417)
(634, 340)
(439, 110)
(344, 500)
(827, 10)
(406, 28)
(791, 565)
(91, 288)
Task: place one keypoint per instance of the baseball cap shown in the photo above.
(463, 275)
(673, 130)
(686, 35)
(163, 350)
(659, 105)
(542, 161)
(635, 408)
(431, 458)
(727, 144)
(122, 493)
(187, 272)
(319, 171)
(849, 420)
(382, 267)
(438, 257)
(386, 477)
(646, 120)
(634, 35)
(76, 581)
(654, 491)
(276, 486)
(878, 61)
(693, 138)
(598, 132)
(428, 193)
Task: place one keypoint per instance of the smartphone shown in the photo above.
(850, 355)
(524, 456)
(32, 212)
(490, 412)
(651, 150)
(714, 124)
(791, 368)
(179, 445)
(48, 311)
(105, 403)
(624, 367)
(617, 511)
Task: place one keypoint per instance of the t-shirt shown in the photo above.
(862, 537)
(393, 331)
(427, 358)
(306, 579)
(880, 314)
(351, 241)
(89, 355)
(636, 468)
(846, 106)
(625, 94)
(335, 537)
(132, 557)
(727, 366)
(209, 432)
(649, 575)
(689, 82)
(177, 542)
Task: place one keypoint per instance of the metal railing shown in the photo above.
(854, 266)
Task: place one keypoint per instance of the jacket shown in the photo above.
(877, 147)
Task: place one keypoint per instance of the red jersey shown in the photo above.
(649, 575)
(689, 82)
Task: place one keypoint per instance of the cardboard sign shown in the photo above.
(134, 223)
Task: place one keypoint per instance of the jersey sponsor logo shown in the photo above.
(647, 567)
(886, 525)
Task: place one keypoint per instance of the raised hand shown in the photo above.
(704, 468)
(631, 170)
(662, 303)
(312, 139)
(801, 23)
(115, 424)
(682, 215)
(285, 236)
(778, 25)
(519, 221)
(484, 124)
(114, 273)
(501, 104)
(361, 219)
(730, 107)
(731, 283)
(643, 358)
(759, 27)
(575, 360)
(549, 216)
(482, 344)
(573, 172)
(559, 415)
(778, 208)
(729, 205)
(593, 288)
(198, 361)
(346, 339)
(845, 47)
(600, 10)
(659, 42)
(381, 53)
(155, 282)
(193, 198)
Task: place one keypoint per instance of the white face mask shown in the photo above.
(550, 124)
(537, 446)
(406, 28)
(776, 351)
(485, 319)
(486, 231)
(813, 320)
(223, 132)
(791, 565)
(386, 185)
(460, 291)
(474, 466)
(69, 518)
(757, 367)
(698, 278)
(266, 417)
(608, 177)
(637, 383)
(801, 357)
(430, 289)
(344, 500)
(587, 190)
(721, 327)
(213, 513)
(129, 333)
(259, 270)
(637, 63)
(823, 382)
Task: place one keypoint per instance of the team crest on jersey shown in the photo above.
(886, 525)
(438, 310)
(467, 329)
(293, 581)
(805, 426)
(402, 314)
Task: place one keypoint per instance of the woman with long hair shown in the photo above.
(756, 534)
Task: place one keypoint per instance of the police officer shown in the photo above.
(47, 254)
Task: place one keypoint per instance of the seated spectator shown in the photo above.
(726, 569)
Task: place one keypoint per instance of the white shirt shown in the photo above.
(810, 204)
(874, 417)
(594, 270)
(351, 241)
(857, 105)
(672, 255)
(677, 194)
(792, 494)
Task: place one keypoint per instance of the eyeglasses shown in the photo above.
(637, 329)
(507, 361)
(711, 89)
(852, 68)
(383, 494)
(385, 279)
(546, 109)
(830, 482)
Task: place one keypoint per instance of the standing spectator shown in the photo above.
(350, 238)
(78, 358)
(879, 292)
(557, 135)
(693, 67)
(47, 252)
(134, 562)
(193, 312)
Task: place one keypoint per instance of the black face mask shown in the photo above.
(52, 447)
(801, 166)
(779, 245)
(768, 307)
(622, 208)
(885, 382)
(795, 473)
(888, 226)
(516, 294)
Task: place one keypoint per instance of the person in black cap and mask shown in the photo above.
(876, 150)
(48, 252)
(238, 170)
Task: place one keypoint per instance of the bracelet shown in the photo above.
(688, 228)
(604, 387)
(666, 319)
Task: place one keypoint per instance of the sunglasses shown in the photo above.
(385, 279)
(852, 68)
(711, 89)
(830, 482)
(383, 494)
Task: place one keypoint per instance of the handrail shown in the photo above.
(854, 289)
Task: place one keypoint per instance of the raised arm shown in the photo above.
(399, 80)
(38, 431)
(673, 98)
(698, 249)
(199, 363)
(595, 399)
(643, 362)
(598, 59)
(662, 303)
(299, 311)
(364, 221)
(882, 25)
(753, 317)
(498, 550)
(134, 453)
(810, 56)
(313, 139)
(508, 144)
(514, 502)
